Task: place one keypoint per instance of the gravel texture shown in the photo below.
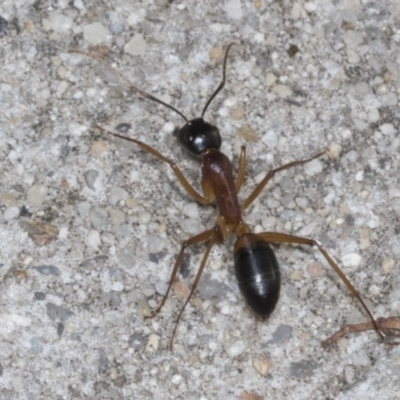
(91, 225)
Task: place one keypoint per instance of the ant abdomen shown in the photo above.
(257, 273)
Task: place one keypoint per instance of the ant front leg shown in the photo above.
(178, 173)
(270, 174)
(274, 237)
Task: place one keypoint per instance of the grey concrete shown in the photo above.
(91, 225)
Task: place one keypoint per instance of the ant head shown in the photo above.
(197, 136)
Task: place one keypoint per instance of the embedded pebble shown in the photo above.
(373, 115)
(98, 147)
(190, 225)
(153, 343)
(388, 265)
(8, 200)
(313, 167)
(11, 213)
(181, 290)
(60, 23)
(98, 217)
(237, 113)
(262, 366)
(236, 348)
(215, 53)
(95, 33)
(117, 194)
(282, 91)
(58, 313)
(334, 150)
(136, 46)
(247, 133)
(47, 270)
(90, 177)
(191, 210)
(93, 239)
(364, 238)
(40, 232)
(315, 269)
(310, 6)
(144, 218)
(37, 195)
(136, 340)
(233, 8)
(387, 129)
(270, 79)
(351, 260)
(117, 217)
(304, 368)
(176, 379)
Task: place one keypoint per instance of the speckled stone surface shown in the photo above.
(91, 225)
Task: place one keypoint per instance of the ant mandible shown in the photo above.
(256, 267)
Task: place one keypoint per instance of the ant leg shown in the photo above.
(274, 237)
(195, 282)
(241, 169)
(181, 178)
(270, 174)
(201, 237)
(389, 326)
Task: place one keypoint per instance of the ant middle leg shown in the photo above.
(256, 192)
(274, 237)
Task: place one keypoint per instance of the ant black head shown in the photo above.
(197, 136)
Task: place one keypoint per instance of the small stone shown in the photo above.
(60, 23)
(313, 167)
(136, 46)
(191, 210)
(95, 33)
(262, 366)
(282, 91)
(315, 269)
(364, 238)
(270, 79)
(233, 8)
(47, 270)
(310, 6)
(181, 290)
(247, 133)
(98, 147)
(117, 217)
(387, 129)
(11, 213)
(117, 194)
(351, 260)
(236, 348)
(388, 265)
(90, 177)
(334, 150)
(144, 218)
(237, 113)
(93, 239)
(153, 343)
(8, 200)
(40, 232)
(37, 195)
(215, 53)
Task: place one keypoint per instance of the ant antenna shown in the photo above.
(94, 56)
(127, 80)
(222, 84)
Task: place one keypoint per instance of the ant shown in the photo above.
(256, 267)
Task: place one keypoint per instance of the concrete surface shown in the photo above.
(91, 225)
